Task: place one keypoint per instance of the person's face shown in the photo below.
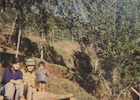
(41, 66)
(30, 68)
(16, 66)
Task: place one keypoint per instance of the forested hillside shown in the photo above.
(91, 46)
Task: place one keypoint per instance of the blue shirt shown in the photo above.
(41, 76)
(8, 75)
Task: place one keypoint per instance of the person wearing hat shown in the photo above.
(29, 80)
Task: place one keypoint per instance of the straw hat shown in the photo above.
(30, 62)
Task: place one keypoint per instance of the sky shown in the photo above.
(78, 10)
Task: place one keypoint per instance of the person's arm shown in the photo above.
(36, 73)
(32, 84)
(16, 82)
(6, 77)
(47, 72)
(19, 80)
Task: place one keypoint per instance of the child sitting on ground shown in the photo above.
(41, 74)
(12, 81)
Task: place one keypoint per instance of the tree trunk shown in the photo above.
(53, 34)
(136, 13)
(96, 65)
(29, 30)
(115, 16)
(114, 82)
(62, 36)
(13, 27)
(3, 5)
(18, 42)
(50, 36)
(41, 46)
(72, 38)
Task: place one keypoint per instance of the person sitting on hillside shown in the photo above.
(12, 81)
(29, 80)
(42, 74)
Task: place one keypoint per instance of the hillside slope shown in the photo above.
(62, 80)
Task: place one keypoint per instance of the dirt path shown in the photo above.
(50, 96)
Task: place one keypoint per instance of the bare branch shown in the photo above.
(135, 91)
(1, 63)
(107, 87)
(122, 91)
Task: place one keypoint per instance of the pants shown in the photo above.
(8, 90)
(29, 92)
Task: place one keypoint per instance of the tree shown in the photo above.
(111, 34)
(115, 49)
(112, 26)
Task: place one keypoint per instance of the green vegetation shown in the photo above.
(101, 55)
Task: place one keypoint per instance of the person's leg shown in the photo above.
(9, 91)
(29, 93)
(2, 90)
(43, 86)
(19, 92)
(34, 94)
(25, 90)
(40, 84)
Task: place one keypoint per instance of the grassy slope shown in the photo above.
(66, 49)
(56, 82)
